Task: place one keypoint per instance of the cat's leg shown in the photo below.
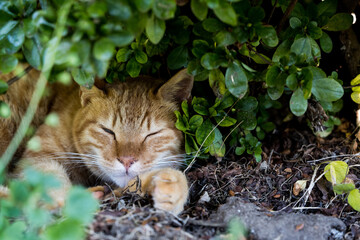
(47, 166)
(168, 188)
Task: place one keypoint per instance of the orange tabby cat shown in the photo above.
(112, 134)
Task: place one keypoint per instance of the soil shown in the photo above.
(289, 154)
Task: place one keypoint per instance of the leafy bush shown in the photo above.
(25, 214)
(254, 56)
(248, 63)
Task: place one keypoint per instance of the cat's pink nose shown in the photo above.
(127, 161)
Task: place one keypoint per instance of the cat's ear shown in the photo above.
(87, 94)
(178, 88)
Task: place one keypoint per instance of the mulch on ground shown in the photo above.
(289, 155)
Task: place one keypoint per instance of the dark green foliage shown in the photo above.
(229, 43)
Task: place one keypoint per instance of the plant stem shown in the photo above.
(49, 59)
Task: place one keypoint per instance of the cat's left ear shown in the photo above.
(86, 95)
(178, 88)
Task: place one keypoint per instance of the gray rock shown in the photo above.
(264, 224)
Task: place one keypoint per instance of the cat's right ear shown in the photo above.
(87, 94)
(178, 88)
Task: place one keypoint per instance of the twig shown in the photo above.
(330, 157)
(259, 55)
(287, 13)
(272, 11)
(17, 77)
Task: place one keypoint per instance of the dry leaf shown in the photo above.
(299, 186)
(299, 227)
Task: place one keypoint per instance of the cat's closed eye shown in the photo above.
(108, 131)
(152, 134)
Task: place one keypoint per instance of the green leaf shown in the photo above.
(199, 9)
(292, 82)
(200, 105)
(180, 123)
(195, 121)
(155, 29)
(226, 13)
(7, 63)
(97, 9)
(121, 39)
(104, 49)
(3, 86)
(6, 27)
(248, 104)
(210, 61)
(295, 22)
(15, 231)
(83, 78)
(164, 9)
(272, 76)
(240, 150)
(275, 92)
(343, 188)
(354, 199)
(205, 134)
(12, 42)
(212, 25)
(143, 5)
(178, 57)
(65, 230)
(302, 46)
(5, 111)
(185, 108)
(327, 8)
(247, 119)
(133, 68)
(217, 149)
(314, 31)
(225, 121)
(32, 53)
(236, 80)
(298, 104)
(224, 38)
(123, 55)
(339, 22)
(282, 50)
(326, 43)
(80, 205)
(268, 35)
(217, 82)
(190, 145)
(307, 80)
(119, 9)
(140, 56)
(327, 89)
(200, 47)
(336, 171)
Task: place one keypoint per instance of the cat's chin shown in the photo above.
(122, 181)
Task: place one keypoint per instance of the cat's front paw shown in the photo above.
(170, 190)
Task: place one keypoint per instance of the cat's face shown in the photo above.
(129, 128)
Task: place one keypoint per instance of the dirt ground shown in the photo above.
(290, 154)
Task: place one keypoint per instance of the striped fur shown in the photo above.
(112, 134)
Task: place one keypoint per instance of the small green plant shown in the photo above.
(25, 215)
(236, 230)
(336, 172)
(355, 95)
